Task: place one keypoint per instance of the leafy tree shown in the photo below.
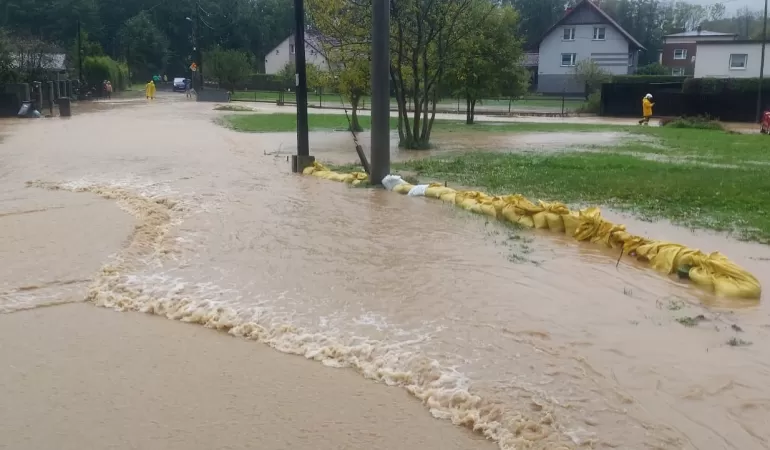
(536, 17)
(146, 47)
(590, 74)
(652, 69)
(7, 74)
(88, 48)
(227, 67)
(488, 59)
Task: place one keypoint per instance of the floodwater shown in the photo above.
(528, 338)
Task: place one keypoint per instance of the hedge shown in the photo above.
(723, 85)
(96, 69)
(647, 79)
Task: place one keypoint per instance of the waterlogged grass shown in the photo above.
(724, 199)
(280, 122)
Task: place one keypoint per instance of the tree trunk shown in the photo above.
(354, 124)
(468, 113)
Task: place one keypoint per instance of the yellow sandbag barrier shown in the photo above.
(712, 271)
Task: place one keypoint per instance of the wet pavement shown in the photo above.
(527, 337)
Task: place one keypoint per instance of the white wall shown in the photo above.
(281, 55)
(611, 54)
(713, 60)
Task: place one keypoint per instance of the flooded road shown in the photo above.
(529, 338)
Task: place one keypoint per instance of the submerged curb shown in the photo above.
(712, 271)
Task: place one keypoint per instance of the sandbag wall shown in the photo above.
(712, 271)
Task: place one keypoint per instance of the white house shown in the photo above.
(585, 32)
(680, 49)
(284, 54)
(731, 59)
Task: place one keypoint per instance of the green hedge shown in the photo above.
(96, 69)
(645, 79)
(720, 85)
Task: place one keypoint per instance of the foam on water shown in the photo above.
(124, 284)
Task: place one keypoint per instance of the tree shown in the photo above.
(536, 17)
(717, 11)
(89, 48)
(590, 74)
(353, 78)
(227, 67)
(488, 59)
(145, 47)
(7, 74)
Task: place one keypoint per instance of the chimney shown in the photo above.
(700, 28)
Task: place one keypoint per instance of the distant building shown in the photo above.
(585, 32)
(284, 53)
(730, 59)
(679, 49)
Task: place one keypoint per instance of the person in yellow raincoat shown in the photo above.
(647, 105)
(149, 90)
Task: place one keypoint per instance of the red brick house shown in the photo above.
(679, 49)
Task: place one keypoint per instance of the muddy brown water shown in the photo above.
(530, 338)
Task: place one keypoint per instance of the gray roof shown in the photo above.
(696, 33)
(606, 16)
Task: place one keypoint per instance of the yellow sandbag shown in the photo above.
(436, 191)
(662, 256)
(540, 220)
(449, 197)
(403, 188)
(553, 213)
(488, 208)
(724, 276)
(510, 213)
(571, 223)
(308, 170)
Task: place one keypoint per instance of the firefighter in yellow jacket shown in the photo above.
(149, 90)
(647, 105)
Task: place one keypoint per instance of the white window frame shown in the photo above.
(291, 49)
(677, 71)
(683, 56)
(571, 34)
(603, 33)
(745, 61)
(573, 59)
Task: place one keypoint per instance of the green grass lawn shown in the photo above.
(693, 192)
(281, 122)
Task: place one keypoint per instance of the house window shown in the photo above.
(600, 33)
(569, 34)
(677, 71)
(291, 49)
(568, 59)
(680, 53)
(738, 61)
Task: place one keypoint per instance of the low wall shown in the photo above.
(11, 98)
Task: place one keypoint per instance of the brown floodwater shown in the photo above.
(527, 337)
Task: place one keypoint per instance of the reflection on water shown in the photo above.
(528, 337)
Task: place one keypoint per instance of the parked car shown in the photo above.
(765, 127)
(180, 84)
